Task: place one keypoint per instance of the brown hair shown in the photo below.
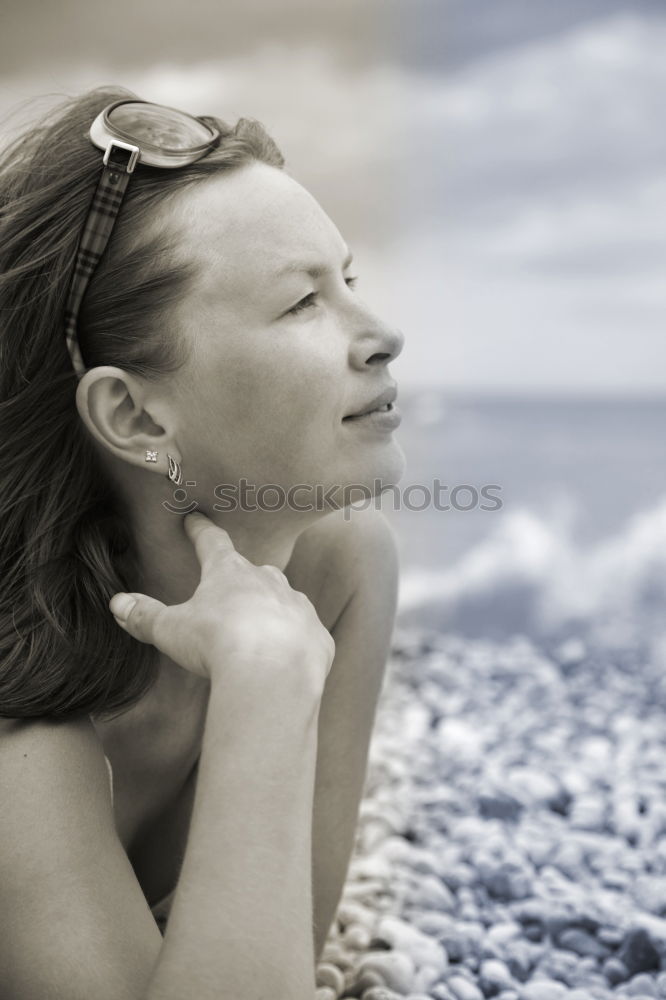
(65, 546)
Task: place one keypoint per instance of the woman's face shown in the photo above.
(278, 357)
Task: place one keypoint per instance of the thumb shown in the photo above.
(137, 614)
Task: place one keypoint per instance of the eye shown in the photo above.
(305, 303)
(311, 299)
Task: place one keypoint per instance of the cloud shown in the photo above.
(337, 126)
(536, 244)
(508, 215)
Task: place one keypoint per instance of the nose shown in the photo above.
(375, 343)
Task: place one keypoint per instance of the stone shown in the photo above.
(325, 993)
(462, 940)
(355, 913)
(364, 981)
(489, 949)
(357, 937)
(505, 881)
(519, 958)
(459, 741)
(396, 969)
(494, 976)
(533, 785)
(611, 936)
(426, 977)
(423, 950)
(335, 954)
(441, 992)
(433, 892)
(638, 952)
(331, 976)
(615, 971)
(649, 891)
(458, 875)
(559, 965)
(655, 928)
(533, 931)
(463, 989)
(641, 985)
(589, 812)
(500, 805)
(543, 989)
(371, 866)
(569, 858)
(582, 943)
(380, 993)
(434, 924)
(501, 933)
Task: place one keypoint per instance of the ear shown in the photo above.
(114, 407)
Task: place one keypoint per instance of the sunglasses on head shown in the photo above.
(130, 132)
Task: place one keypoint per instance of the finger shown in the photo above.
(206, 536)
(273, 571)
(137, 614)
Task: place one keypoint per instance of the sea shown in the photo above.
(574, 525)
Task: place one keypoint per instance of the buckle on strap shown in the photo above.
(120, 160)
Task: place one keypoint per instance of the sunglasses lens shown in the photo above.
(159, 127)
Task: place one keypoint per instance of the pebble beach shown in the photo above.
(511, 841)
(512, 836)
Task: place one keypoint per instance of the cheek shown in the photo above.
(272, 414)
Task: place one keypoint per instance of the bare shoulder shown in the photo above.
(73, 918)
(46, 757)
(342, 555)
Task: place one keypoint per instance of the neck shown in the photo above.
(168, 570)
(168, 566)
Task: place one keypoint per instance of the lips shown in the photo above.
(384, 399)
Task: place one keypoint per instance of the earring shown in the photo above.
(175, 473)
(151, 456)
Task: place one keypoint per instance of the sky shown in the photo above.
(498, 167)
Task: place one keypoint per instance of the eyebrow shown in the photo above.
(315, 271)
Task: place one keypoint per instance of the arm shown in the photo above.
(241, 920)
(73, 919)
(349, 569)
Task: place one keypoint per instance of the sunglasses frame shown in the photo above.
(104, 131)
(121, 155)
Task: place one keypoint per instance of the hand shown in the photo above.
(243, 622)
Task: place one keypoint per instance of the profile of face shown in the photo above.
(278, 356)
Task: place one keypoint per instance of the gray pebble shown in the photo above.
(615, 971)
(500, 805)
(494, 976)
(543, 989)
(463, 989)
(638, 952)
(579, 941)
(641, 985)
(660, 983)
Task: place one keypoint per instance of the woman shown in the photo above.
(226, 662)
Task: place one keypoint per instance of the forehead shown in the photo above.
(247, 225)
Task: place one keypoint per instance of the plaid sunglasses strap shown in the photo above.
(102, 215)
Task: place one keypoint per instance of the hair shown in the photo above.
(65, 539)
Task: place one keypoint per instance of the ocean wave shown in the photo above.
(530, 575)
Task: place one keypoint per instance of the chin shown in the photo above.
(382, 468)
(389, 466)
